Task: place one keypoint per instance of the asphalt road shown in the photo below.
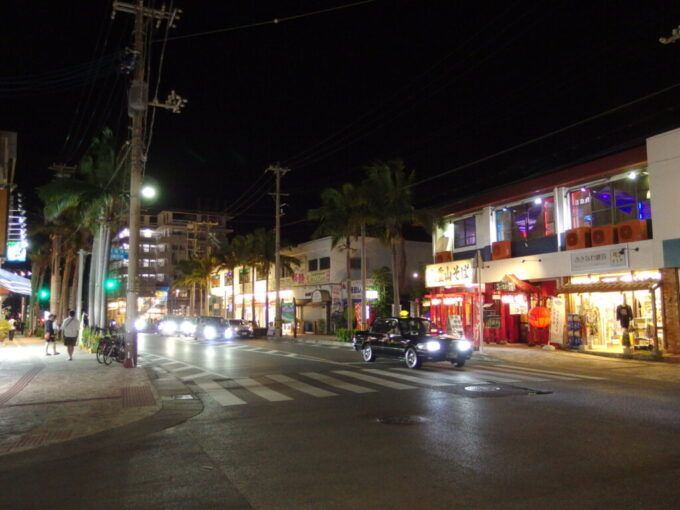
(296, 426)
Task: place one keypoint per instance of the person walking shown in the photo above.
(12, 327)
(69, 330)
(50, 336)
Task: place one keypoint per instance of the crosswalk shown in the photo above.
(274, 388)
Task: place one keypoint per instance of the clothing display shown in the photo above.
(624, 314)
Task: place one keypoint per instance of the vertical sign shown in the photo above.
(557, 320)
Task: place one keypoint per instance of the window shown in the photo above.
(325, 263)
(464, 232)
(313, 265)
(614, 202)
(529, 220)
(355, 263)
(286, 272)
(244, 276)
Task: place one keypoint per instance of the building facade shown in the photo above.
(167, 238)
(314, 293)
(593, 250)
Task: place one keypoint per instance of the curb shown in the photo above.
(178, 404)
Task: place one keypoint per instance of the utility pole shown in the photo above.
(137, 106)
(278, 172)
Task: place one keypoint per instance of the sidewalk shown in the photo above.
(45, 400)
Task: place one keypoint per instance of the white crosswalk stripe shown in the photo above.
(552, 373)
(220, 394)
(261, 390)
(337, 383)
(301, 386)
(411, 378)
(374, 380)
(497, 373)
(456, 377)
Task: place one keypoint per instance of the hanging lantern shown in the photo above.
(539, 317)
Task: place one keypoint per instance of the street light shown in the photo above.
(148, 192)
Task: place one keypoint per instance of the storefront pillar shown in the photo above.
(671, 313)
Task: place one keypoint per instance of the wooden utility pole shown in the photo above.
(278, 172)
(137, 106)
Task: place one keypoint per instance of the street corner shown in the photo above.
(44, 402)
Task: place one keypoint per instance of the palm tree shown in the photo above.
(95, 192)
(229, 258)
(198, 272)
(391, 188)
(263, 246)
(338, 217)
(40, 262)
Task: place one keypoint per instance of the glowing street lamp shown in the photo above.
(148, 192)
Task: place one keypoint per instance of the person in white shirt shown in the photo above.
(12, 327)
(69, 330)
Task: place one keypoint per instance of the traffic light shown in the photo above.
(43, 294)
(110, 284)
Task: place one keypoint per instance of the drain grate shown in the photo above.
(402, 420)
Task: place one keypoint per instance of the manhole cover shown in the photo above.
(479, 388)
(401, 420)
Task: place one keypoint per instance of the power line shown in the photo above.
(274, 21)
(547, 135)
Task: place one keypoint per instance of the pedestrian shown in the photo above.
(12, 327)
(50, 337)
(69, 330)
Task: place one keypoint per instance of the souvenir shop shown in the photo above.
(614, 310)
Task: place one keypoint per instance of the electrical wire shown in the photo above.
(274, 21)
(256, 183)
(342, 138)
(546, 135)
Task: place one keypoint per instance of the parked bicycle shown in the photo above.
(110, 349)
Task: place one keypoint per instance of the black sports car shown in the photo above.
(410, 339)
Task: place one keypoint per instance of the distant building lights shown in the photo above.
(538, 201)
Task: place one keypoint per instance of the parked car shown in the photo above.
(412, 340)
(239, 328)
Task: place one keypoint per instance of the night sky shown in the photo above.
(438, 84)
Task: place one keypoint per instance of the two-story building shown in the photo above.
(314, 292)
(597, 246)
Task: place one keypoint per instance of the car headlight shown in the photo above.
(209, 332)
(228, 333)
(186, 327)
(464, 345)
(140, 324)
(432, 346)
(170, 327)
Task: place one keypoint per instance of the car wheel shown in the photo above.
(459, 363)
(411, 358)
(367, 353)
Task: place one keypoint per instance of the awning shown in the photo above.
(15, 283)
(521, 284)
(579, 288)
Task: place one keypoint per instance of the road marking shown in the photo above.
(168, 365)
(273, 352)
(375, 380)
(219, 394)
(301, 386)
(337, 383)
(553, 372)
(411, 378)
(499, 375)
(260, 389)
(196, 376)
(183, 369)
(457, 377)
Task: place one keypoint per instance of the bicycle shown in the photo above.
(101, 347)
(115, 350)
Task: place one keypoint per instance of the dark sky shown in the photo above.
(438, 84)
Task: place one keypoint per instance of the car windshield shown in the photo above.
(215, 321)
(384, 326)
(237, 322)
(414, 326)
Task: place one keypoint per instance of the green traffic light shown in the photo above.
(110, 284)
(44, 294)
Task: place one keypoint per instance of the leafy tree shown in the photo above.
(338, 218)
(198, 272)
(382, 281)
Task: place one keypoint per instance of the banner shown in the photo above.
(557, 320)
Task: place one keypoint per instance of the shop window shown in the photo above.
(325, 263)
(530, 220)
(614, 202)
(313, 265)
(465, 233)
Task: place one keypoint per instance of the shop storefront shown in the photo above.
(611, 311)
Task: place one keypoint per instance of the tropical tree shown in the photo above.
(340, 219)
(95, 196)
(229, 258)
(198, 272)
(263, 252)
(40, 263)
(390, 187)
